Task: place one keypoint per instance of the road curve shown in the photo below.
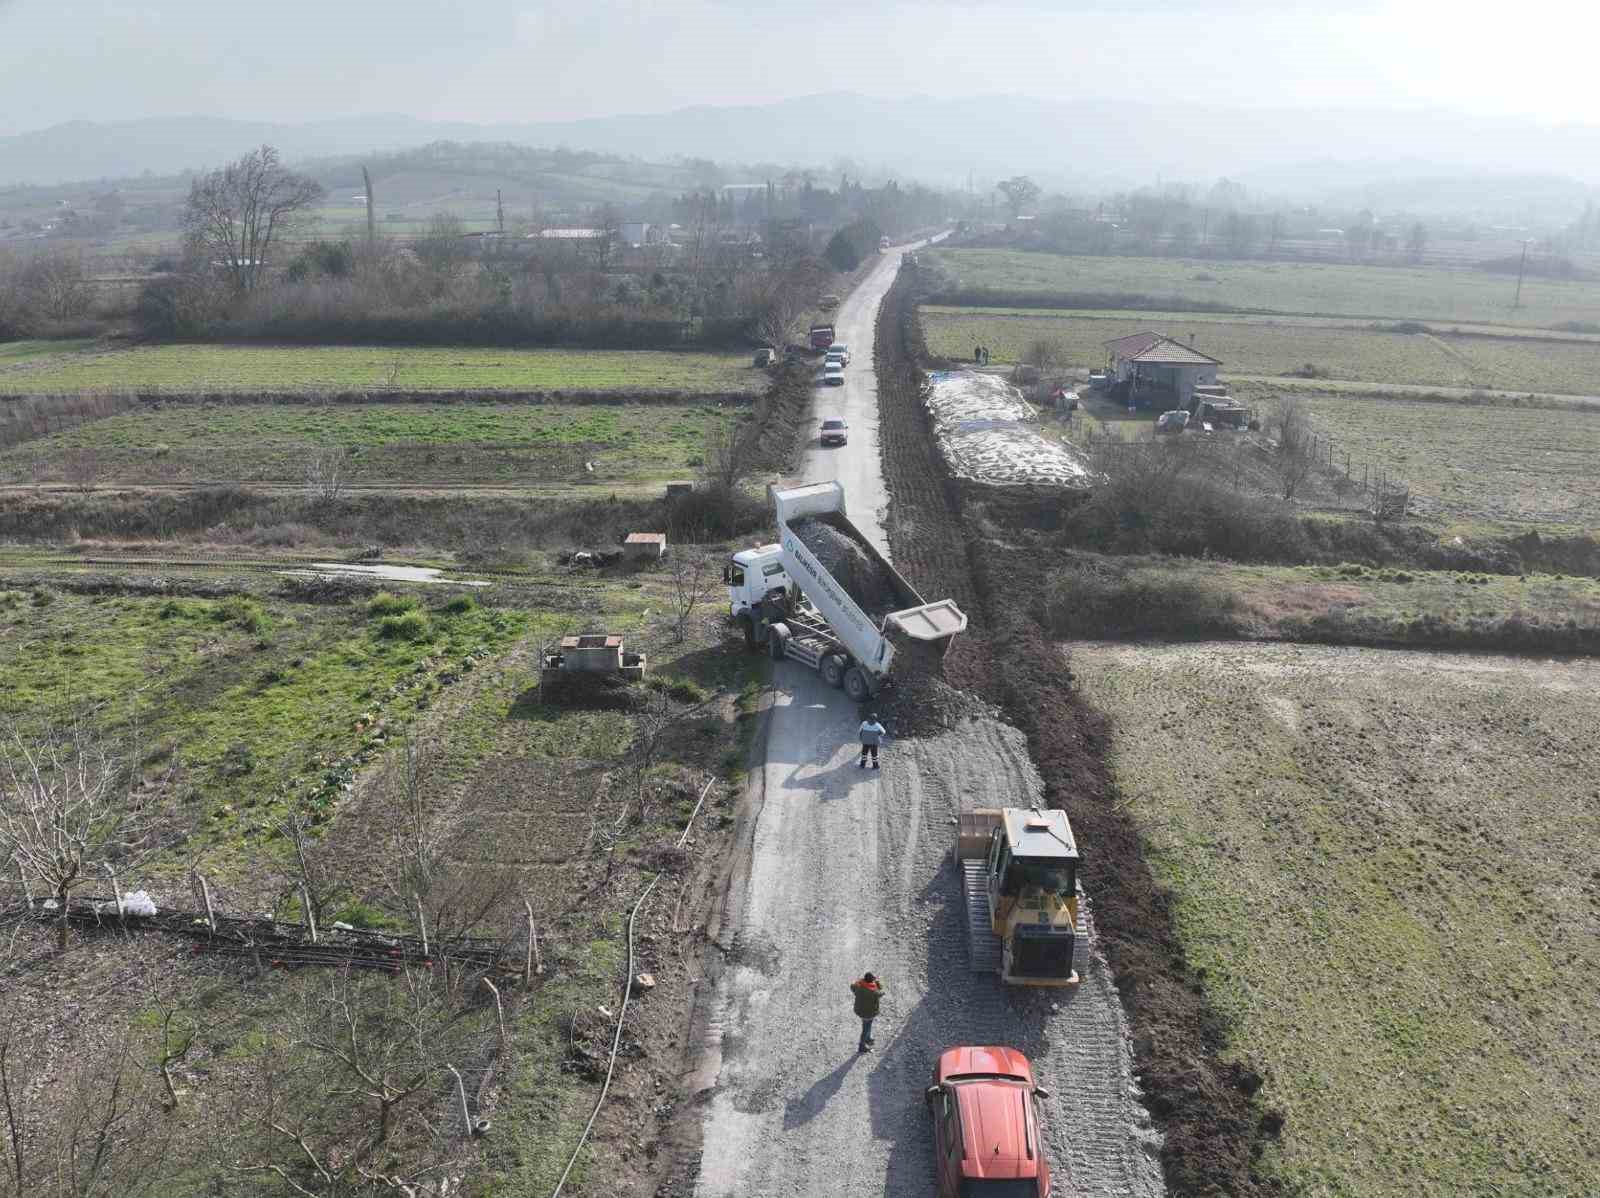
(850, 871)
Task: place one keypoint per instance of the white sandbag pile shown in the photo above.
(986, 432)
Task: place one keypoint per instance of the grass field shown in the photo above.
(530, 444)
(1382, 864)
(13, 352)
(212, 368)
(1475, 462)
(1380, 292)
(1259, 347)
(1348, 604)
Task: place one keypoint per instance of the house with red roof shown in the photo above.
(1161, 373)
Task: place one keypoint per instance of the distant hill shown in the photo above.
(1087, 144)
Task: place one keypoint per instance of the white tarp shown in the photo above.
(987, 433)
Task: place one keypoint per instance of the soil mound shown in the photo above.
(863, 577)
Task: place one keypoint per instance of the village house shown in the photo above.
(1161, 373)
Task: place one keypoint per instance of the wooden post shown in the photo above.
(311, 916)
(205, 895)
(461, 1092)
(499, 1010)
(116, 891)
(27, 891)
(533, 966)
(422, 925)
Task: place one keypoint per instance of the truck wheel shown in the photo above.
(832, 669)
(747, 625)
(777, 638)
(856, 686)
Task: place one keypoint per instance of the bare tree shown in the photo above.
(1046, 353)
(728, 455)
(235, 214)
(1296, 456)
(62, 813)
(325, 475)
(56, 285)
(692, 584)
(443, 247)
(780, 318)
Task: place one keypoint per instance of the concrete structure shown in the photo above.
(645, 546)
(1159, 371)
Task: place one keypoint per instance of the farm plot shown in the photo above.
(528, 444)
(209, 369)
(1475, 463)
(1382, 871)
(1243, 347)
(1386, 292)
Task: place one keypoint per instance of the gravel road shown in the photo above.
(851, 871)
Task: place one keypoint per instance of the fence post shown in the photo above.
(499, 1010)
(205, 895)
(422, 925)
(311, 916)
(461, 1092)
(534, 962)
(116, 891)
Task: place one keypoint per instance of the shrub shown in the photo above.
(384, 603)
(242, 612)
(460, 605)
(685, 690)
(408, 626)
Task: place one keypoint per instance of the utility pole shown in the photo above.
(499, 212)
(1521, 267)
(372, 228)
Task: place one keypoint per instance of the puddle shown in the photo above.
(424, 574)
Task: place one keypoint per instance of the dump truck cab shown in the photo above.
(752, 575)
(1020, 874)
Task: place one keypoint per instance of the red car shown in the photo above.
(986, 1125)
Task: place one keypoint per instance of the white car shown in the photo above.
(833, 376)
(841, 350)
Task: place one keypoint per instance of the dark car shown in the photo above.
(986, 1125)
(835, 432)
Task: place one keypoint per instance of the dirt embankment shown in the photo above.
(1204, 1107)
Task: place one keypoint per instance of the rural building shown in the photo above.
(569, 234)
(1159, 371)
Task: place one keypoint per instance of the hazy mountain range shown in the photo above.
(1092, 144)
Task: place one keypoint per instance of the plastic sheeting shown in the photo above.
(986, 432)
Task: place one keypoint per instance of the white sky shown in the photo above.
(521, 60)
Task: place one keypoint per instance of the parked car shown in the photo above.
(833, 376)
(841, 349)
(834, 432)
(833, 359)
(1174, 421)
(766, 357)
(986, 1125)
(828, 303)
(1099, 380)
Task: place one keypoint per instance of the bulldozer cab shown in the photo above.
(1031, 853)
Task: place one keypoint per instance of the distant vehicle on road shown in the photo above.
(828, 303)
(835, 432)
(821, 336)
(840, 350)
(986, 1137)
(833, 376)
(883, 244)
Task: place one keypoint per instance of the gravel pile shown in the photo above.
(865, 579)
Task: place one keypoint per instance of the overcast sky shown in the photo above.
(524, 60)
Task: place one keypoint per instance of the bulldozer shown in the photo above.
(1019, 875)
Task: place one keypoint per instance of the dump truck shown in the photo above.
(1019, 876)
(788, 601)
(821, 336)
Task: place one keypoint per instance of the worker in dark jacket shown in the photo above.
(869, 996)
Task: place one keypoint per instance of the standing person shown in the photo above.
(977, 355)
(869, 997)
(872, 734)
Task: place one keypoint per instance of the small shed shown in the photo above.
(645, 546)
(592, 652)
(1160, 372)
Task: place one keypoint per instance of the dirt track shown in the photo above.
(850, 872)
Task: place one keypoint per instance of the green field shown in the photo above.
(13, 352)
(1473, 463)
(1382, 865)
(211, 368)
(528, 444)
(1379, 292)
(1261, 347)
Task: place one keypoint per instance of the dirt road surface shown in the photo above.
(851, 871)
